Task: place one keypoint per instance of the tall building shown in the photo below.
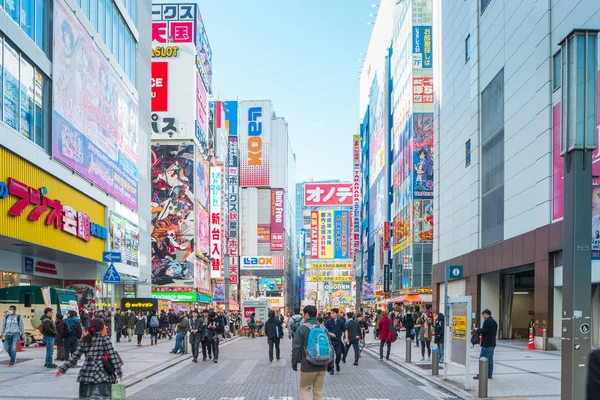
(499, 199)
(189, 150)
(74, 145)
(267, 171)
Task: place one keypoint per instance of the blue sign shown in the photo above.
(421, 47)
(454, 271)
(28, 265)
(112, 275)
(111, 257)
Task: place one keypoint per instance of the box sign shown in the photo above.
(276, 303)
(248, 311)
(329, 278)
(183, 297)
(416, 291)
(327, 194)
(35, 207)
(267, 262)
(139, 304)
(203, 298)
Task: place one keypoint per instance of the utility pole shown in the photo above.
(578, 140)
(227, 278)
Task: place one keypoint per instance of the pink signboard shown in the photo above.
(327, 194)
(277, 211)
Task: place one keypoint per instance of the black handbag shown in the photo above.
(108, 367)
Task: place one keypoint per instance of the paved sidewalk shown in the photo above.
(518, 373)
(28, 379)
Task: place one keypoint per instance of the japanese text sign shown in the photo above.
(215, 222)
(277, 225)
(327, 194)
(423, 90)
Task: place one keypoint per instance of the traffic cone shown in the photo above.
(19, 347)
(530, 346)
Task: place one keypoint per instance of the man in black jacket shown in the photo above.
(593, 376)
(119, 324)
(274, 332)
(353, 335)
(488, 340)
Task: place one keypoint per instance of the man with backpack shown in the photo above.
(312, 348)
(274, 332)
(12, 330)
(336, 328)
(70, 332)
(294, 322)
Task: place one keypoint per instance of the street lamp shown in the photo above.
(578, 140)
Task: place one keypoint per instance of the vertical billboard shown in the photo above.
(124, 238)
(326, 234)
(233, 208)
(421, 50)
(216, 233)
(172, 207)
(202, 231)
(277, 224)
(202, 175)
(314, 234)
(422, 145)
(94, 115)
(255, 143)
(342, 233)
(330, 234)
(422, 222)
(356, 199)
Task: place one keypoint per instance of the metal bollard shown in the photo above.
(408, 350)
(545, 340)
(483, 378)
(435, 362)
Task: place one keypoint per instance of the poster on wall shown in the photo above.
(422, 150)
(85, 291)
(95, 116)
(376, 206)
(124, 238)
(263, 233)
(201, 187)
(368, 294)
(216, 223)
(341, 293)
(277, 225)
(202, 231)
(172, 207)
(422, 222)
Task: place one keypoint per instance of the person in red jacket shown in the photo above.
(384, 330)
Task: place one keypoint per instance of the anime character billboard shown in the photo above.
(172, 206)
(423, 155)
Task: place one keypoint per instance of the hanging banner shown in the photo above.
(368, 294)
(387, 239)
(326, 234)
(277, 211)
(314, 234)
(342, 233)
(215, 221)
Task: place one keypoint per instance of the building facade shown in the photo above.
(73, 148)
(499, 199)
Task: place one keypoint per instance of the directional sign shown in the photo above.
(112, 275)
(111, 257)
(455, 271)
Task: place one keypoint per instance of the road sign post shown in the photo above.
(112, 277)
(450, 272)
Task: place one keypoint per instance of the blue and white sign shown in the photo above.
(28, 265)
(112, 275)
(111, 257)
(421, 47)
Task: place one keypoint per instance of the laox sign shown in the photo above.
(254, 139)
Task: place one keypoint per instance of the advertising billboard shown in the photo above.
(261, 262)
(341, 233)
(201, 188)
(330, 234)
(422, 155)
(277, 211)
(341, 293)
(326, 231)
(314, 234)
(356, 198)
(263, 233)
(270, 285)
(233, 207)
(124, 238)
(376, 129)
(216, 228)
(422, 222)
(202, 231)
(95, 116)
(172, 206)
(327, 194)
(376, 207)
(421, 50)
(402, 230)
(255, 143)
(422, 90)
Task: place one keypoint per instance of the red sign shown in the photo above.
(160, 86)
(327, 194)
(248, 311)
(173, 31)
(277, 211)
(45, 268)
(387, 237)
(423, 90)
(314, 234)
(171, 289)
(233, 270)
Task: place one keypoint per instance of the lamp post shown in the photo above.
(578, 140)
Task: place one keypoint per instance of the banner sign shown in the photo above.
(329, 278)
(330, 234)
(387, 239)
(342, 231)
(314, 234)
(95, 116)
(277, 211)
(327, 194)
(255, 143)
(356, 204)
(124, 238)
(215, 222)
(336, 265)
(263, 232)
(270, 285)
(423, 90)
(326, 234)
(233, 184)
(421, 51)
(262, 262)
(368, 294)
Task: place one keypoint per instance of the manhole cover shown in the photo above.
(19, 360)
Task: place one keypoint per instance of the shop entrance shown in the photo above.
(516, 302)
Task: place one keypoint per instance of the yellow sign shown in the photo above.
(321, 265)
(40, 223)
(139, 304)
(402, 245)
(165, 51)
(416, 291)
(330, 278)
(459, 327)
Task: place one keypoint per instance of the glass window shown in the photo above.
(94, 14)
(102, 19)
(85, 6)
(1, 73)
(42, 137)
(133, 12)
(41, 25)
(13, 8)
(27, 15)
(115, 18)
(557, 71)
(79, 3)
(11, 87)
(134, 58)
(484, 4)
(109, 25)
(121, 47)
(27, 94)
(467, 48)
(468, 153)
(127, 53)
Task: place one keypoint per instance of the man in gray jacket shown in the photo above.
(12, 330)
(311, 376)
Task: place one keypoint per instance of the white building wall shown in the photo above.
(248, 221)
(521, 37)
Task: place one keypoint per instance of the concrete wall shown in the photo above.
(490, 292)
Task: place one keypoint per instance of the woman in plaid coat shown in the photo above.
(94, 380)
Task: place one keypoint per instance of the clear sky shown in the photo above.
(302, 55)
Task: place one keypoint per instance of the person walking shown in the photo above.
(592, 387)
(439, 335)
(130, 322)
(274, 333)
(384, 330)
(94, 379)
(409, 324)
(312, 375)
(206, 345)
(164, 329)
(353, 335)
(12, 331)
(173, 320)
(59, 341)
(196, 329)
(49, 334)
(425, 334)
(70, 333)
(417, 318)
(140, 328)
(182, 328)
(215, 329)
(488, 340)
(119, 324)
(84, 316)
(294, 322)
(336, 328)
(153, 325)
(252, 324)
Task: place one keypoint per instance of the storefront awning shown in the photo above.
(411, 298)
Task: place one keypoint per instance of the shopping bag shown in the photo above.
(118, 392)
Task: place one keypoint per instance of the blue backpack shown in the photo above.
(319, 351)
